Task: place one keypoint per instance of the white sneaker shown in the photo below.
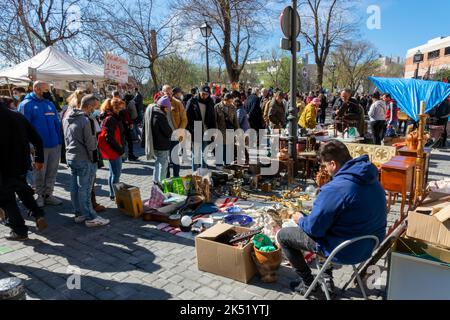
(40, 201)
(53, 201)
(80, 219)
(97, 222)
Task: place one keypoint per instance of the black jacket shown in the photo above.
(254, 111)
(193, 114)
(161, 130)
(139, 102)
(16, 134)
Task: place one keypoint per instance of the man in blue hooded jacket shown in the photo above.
(351, 205)
(42, 114)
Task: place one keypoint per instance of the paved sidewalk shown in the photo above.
(131, 259)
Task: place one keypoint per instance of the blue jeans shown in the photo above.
(161, 165)
(115, 169)
(195, 166)
(83, 173)
(176, 167)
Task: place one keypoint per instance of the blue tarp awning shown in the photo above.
(410, 92)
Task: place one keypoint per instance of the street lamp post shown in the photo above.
(206, 31)
(418, 58)
(292, 117)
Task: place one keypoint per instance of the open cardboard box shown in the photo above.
(419, 248)
(215, 256)
(431, 224)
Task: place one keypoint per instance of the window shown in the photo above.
(433, 54)
(447, 51)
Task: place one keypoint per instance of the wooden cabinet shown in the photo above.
(397, 177)
(413, 153)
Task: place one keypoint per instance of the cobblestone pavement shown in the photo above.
(131, 259)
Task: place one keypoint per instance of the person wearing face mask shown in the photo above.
(161, 132)
(82, 158)
(19, 94)
(200, 109)
(351, 205)
(226, 118)
(43, 115)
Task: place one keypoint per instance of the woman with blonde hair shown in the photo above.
(111, 140)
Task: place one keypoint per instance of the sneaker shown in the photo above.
(301, 287)
(16, 237)
(97, 222)
(2, 215)
(40, 201)
(80, 219)
(99, 208)
(53, 201)
(41, 224)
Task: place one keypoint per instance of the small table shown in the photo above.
(307, 158)
(397, 176)
(426, 165)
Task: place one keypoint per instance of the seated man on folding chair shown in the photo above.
(352, 204)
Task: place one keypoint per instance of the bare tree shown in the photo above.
(236, 24)
(325, 24)
(133, 28)
(355, 62)
(27, 26)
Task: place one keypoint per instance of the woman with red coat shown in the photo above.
(111, 140)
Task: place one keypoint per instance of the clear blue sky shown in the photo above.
(407, 24)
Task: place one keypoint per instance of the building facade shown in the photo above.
(436, 56)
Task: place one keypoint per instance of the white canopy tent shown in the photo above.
(52, 65)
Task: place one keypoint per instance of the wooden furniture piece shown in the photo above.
(426, 164)
(397, 176)
(377, 154)
(287, 166)
(307, 160)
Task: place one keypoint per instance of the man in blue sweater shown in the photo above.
(42, 114)
(351, 205)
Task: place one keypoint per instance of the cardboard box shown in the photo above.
(128, 200)
(420, 248)
(224, 259)
(430, 224)
(418, 270)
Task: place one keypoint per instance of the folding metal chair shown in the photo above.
(328, 262)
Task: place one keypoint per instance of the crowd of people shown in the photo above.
(87, 133)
